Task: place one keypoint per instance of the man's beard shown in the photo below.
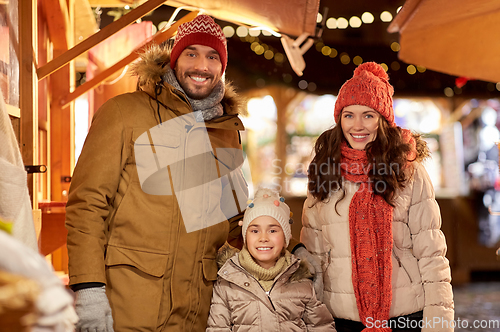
(193, 92)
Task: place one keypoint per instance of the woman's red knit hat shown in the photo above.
(368, 87)
(200, 31)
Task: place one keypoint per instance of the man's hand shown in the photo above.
(93, 310)
(314, 267)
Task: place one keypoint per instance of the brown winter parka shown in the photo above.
(158, 276)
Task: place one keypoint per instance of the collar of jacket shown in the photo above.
(235, 274)
(229, 264)
(173, 99)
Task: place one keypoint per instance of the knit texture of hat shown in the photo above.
(368, 87)
(200, 31)
(268, 203)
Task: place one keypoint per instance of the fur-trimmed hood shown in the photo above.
(227, 251)
(153, 65)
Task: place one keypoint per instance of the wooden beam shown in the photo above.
(28, 89)
(98, 37)
(157, 38)
(56, 14)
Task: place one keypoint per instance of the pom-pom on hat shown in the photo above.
(268, 203)
(200, 31)
(368, 87)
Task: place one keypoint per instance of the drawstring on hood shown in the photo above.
(158, 89)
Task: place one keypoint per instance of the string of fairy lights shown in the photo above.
(251, 36)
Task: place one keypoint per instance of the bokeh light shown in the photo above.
(367, 18)
(385, 16)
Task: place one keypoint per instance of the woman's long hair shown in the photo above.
(387, 155)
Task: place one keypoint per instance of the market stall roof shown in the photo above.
(293, 19)
(454, 37)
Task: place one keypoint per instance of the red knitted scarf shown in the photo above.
(370, 228)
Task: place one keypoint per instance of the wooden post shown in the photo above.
(60, 141)
(62, 125)
(61, 132)
(282, 97)
(28, 89)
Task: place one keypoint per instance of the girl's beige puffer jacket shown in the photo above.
(421, 273)
(239, 302)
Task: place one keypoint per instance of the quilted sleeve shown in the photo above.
(311, 234)
(429, 247)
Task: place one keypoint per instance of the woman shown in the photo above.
(372, 218)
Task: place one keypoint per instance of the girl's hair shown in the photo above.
(387, 155)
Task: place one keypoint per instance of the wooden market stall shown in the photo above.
(456, 38)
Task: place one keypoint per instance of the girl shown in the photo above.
(372, 218)
(264, 287)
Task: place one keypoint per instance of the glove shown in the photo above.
(314, 268)
(93, 310)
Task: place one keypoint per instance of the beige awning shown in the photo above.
(456, 37)
(291, 17)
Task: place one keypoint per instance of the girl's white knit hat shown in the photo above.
(268, 203)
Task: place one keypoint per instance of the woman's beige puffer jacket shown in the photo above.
(421, 274)
(239, 302)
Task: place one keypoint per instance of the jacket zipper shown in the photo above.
(401, 265)
(269, 293)
(269, 297)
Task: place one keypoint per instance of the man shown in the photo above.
(157, 179)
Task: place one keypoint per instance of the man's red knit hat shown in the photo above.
(368, 87)
(200, 31)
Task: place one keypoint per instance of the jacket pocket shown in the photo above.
(138, 216)
(400, 264)
(156, 136)
(209, 269)
(149, 263)
(154, 150)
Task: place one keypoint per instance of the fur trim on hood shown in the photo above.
(422, 148)
(227, 251)
(152, 66)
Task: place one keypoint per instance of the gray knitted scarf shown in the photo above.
(205, 109)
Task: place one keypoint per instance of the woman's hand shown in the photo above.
(314, 268)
